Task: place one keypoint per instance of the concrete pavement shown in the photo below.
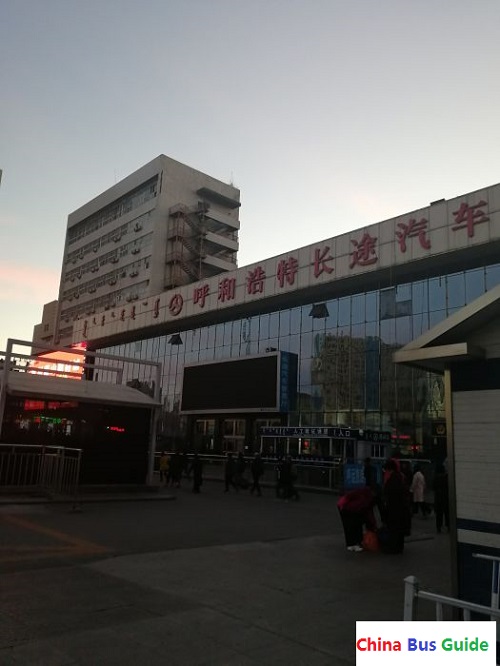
(289, 600)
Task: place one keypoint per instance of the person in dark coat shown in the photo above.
(241, 466)
(279, 476)
(289, 475)
(356, 511)
(369, 473)
(257, 469)
(441, 499)
(229, 472)
(396, 510)
(173, 477)
(197, 470)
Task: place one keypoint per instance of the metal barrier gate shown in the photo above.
(51, 470)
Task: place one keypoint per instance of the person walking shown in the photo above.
(164, 465)
(197, 470)
(257, 469)
(289, 476)
(395, 510)
(356, 510)
(175, 470)
(370, 473)
(417, 488)
(229, 472)
(241, 466)
(441, 499)
(279, 476)
(183, 466)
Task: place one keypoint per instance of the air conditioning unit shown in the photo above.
(134, 273)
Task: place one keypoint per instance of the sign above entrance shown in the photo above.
(326, 432)
(286, 431)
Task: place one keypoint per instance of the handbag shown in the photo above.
(370, 541)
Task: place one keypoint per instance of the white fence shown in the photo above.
(51, 470)
(413, 593)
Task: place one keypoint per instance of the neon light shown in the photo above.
(58, 364)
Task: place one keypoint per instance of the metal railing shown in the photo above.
(413, 593)
(50, 470)
(314, 474)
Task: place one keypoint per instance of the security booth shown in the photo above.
(464, 349)
(111, 423)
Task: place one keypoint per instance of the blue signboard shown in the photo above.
(353, 476)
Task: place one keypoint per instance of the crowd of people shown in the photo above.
(173, 467)
(379, 515)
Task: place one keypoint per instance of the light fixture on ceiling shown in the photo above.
(319, 311)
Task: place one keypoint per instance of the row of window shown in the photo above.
(109, 258)
(125, 204)
(109, 300)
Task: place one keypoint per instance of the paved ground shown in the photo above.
(209, 579)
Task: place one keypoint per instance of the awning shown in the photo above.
(27, 385)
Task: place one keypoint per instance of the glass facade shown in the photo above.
(346, 375)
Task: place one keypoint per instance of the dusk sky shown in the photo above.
(327, 114)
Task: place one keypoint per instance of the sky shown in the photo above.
(327, 114)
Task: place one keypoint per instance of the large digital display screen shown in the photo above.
(258, 383)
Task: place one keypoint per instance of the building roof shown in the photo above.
(450, 339)
(56, 388)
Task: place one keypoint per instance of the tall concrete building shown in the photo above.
(164, 226)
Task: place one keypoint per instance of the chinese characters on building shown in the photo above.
(363, 253)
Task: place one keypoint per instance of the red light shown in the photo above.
(115, 429)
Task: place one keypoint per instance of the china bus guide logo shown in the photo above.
(411, 643)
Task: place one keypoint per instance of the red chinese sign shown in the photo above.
(227, 289)
(156, 310)
(255, 281)
(364, 253)
(176, 304)
(287, 270)
(200, 294)
(468, 216)
(413, 229)
(321, 257)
